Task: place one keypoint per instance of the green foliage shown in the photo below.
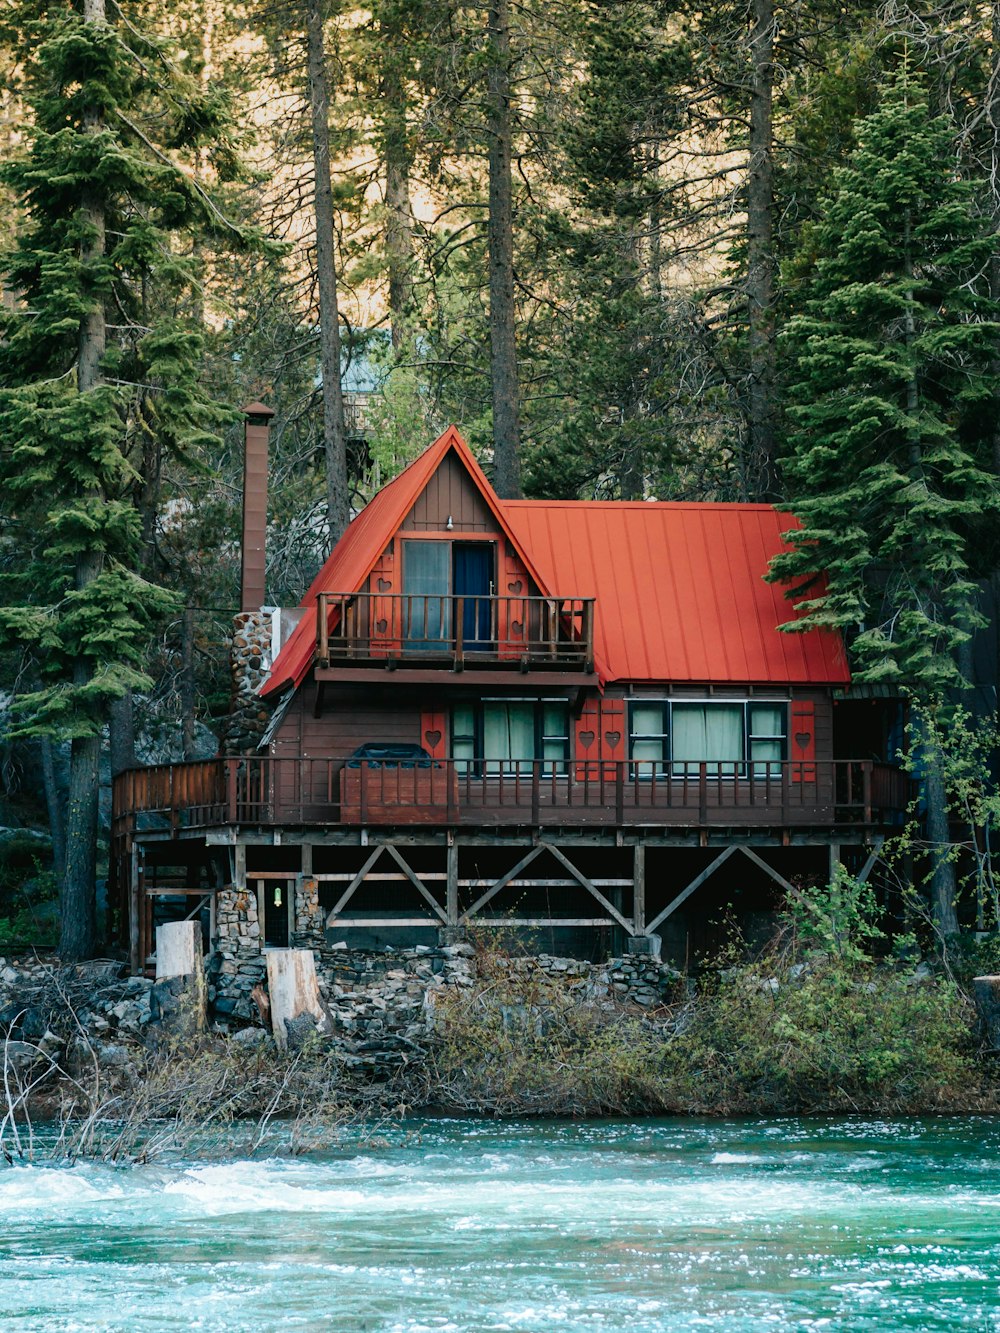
(107, 212)
(836, 1036)
(890, 400)
(812, 1024)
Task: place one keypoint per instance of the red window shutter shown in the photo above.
(586, 741)
(434, 733)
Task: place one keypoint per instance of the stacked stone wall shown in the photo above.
(249, 663)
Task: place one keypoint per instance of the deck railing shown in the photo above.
(389, 627)
(262, 791)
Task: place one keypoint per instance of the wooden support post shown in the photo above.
(240, 866)
(639, 889)
(135, 905)
(452, 884)
(834, 859)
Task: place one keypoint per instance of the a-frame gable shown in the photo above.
(362, 547)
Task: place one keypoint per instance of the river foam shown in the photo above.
(476, 1227)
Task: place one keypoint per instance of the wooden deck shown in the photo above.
(381, 628)
(267, 792)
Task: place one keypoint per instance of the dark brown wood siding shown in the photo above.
(450, 491)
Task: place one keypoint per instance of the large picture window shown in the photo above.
(731, 739)
(504, 736)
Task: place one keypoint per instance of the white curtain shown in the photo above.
(707, 733)
(508, 734)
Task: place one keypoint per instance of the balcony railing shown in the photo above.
(261, 791)
(463, 632)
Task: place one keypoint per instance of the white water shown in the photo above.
(461, 1226)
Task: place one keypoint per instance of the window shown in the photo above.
(504, 736)
(723, 736)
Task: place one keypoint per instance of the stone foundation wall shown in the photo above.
(382, 1004)
(249, 663)
(310, 918)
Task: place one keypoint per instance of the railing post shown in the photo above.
(322, 631)
(866, 778)
(587, 632)
(231, 794)
(702, 793)
(460, 629)
(535, 765)
(619, 793)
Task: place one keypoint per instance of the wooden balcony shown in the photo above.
(290, 792)
(392, 630)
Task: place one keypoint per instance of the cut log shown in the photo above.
(294, 994)
(178, 997)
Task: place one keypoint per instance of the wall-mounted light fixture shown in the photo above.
(450, 524)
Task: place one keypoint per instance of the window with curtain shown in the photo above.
(427, 585)
(731, 739)
(500, 737)
(707, 733)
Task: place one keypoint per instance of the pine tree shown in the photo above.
(98, 281)
(889, 403)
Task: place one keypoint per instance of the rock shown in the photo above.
(111, 1055)
(252, 1039)
(22, 1054)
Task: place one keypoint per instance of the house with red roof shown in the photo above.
(575, 719)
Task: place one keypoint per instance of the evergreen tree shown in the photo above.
(889, 404)
(99, 281)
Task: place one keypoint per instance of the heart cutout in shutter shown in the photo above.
(802, 739)
(385, 585)
(515, 587)
(586, 739)
(612, 738)
(515, 628)
(433, 739)
(382, 626)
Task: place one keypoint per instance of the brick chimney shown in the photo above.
(258, 427)
(250, 648)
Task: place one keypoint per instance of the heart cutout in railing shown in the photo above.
(385, 585)
(515, 587)
(586, 739)
(612, 738)
(433, 739)
(802, 739)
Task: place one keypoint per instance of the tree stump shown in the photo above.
(178, 997)
(294, 993)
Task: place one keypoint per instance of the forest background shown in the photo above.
(745, 252)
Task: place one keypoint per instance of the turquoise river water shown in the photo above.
(448, 1226)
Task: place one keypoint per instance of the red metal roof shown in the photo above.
(353, 558)
(679, 589)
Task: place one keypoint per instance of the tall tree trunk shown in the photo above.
(76, 939)
(939, 837)
(500, 235)
(993, 120)
(54, 806)
(338, 504)
(399, 216)
(761, 470)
